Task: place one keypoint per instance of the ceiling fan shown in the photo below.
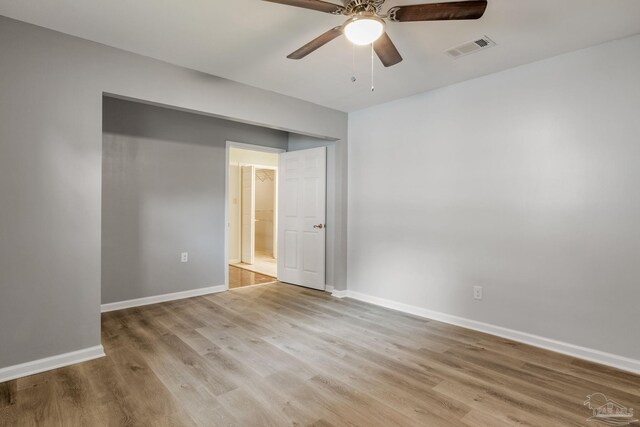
(366, 23)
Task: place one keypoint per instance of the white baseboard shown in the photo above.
(340, 294)
(49, 363)
(328, 288)
(597, 356)
(161, 298)
(235, 261)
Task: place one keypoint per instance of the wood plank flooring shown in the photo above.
(279, 355)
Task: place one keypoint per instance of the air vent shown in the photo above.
(471, 47)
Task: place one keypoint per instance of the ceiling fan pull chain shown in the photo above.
(372, 86)
(353, 65)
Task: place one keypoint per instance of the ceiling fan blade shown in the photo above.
(386, 51)
(321, 6)
(438, 11)
(316, 43)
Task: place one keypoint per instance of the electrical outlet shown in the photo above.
(184, 257)
(477, 292)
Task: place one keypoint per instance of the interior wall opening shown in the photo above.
(163, 200)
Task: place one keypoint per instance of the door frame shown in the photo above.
(247, 213)
(243, 146)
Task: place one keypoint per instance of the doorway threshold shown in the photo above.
(240, 278)
(263, 264)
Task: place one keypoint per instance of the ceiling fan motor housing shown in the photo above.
(358, 6)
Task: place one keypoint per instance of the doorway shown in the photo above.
(265, 230)
(252, 200)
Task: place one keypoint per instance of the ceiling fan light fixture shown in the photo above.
(364, 29)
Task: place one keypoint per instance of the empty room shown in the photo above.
(319, 213)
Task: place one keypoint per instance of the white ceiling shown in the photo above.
(248, 41)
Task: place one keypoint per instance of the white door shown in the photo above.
(235, 214)
(248, 214)
(301, 217)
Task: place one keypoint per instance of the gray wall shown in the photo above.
(51, 88)
(163, 187)
(524, 182)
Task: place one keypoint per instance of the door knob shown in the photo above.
(320, 226)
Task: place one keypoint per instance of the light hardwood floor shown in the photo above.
(279, 355)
